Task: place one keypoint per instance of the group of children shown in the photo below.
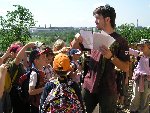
(54, 76)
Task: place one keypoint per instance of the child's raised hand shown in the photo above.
(78, 38)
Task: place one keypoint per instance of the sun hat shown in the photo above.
(61, 62)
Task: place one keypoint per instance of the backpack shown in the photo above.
(62, 99)
(24, 85)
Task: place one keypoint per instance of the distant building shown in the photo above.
(52, 29)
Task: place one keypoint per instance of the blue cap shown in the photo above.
(74, 52)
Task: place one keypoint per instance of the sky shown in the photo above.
(79, 13)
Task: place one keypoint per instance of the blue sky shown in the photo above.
(78, 13)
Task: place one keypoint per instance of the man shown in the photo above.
(104, 90)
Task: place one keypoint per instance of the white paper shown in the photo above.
(95, 40)
(87, 39)
(100, 39)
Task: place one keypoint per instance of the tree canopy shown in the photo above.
(16, 26)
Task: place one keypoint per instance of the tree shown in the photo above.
(16, 26)
(133, 34)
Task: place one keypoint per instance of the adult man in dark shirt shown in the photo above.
(104, 88)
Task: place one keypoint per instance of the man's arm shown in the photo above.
(123, 65)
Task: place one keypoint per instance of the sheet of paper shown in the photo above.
(95, 40)
(87, 39)
(100, 39)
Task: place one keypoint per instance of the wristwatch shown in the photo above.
(112, 58)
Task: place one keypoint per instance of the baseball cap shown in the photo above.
(35, 53)
(48, 51)
(74, 51)
(61, 62)
(15, 48)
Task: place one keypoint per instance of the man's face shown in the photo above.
(100, 22)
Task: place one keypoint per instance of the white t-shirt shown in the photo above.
(33, 79)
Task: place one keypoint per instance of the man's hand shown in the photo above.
(106, 52)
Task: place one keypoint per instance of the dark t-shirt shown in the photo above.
(107, 83)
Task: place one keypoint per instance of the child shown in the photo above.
(60, 47)
(37, 78)
(59, 95)
(74, 55)
(48, 70)
(141, 77)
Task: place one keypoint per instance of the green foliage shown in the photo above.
(133, 34)
(16, 26)
(50, 37)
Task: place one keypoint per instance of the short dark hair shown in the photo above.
(106, 11)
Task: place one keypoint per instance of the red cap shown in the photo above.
(15, 48)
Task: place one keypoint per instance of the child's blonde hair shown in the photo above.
(59, 44)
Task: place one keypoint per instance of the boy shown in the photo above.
(48, 70)
(37, 78)
(74, 55)
(59, 94)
